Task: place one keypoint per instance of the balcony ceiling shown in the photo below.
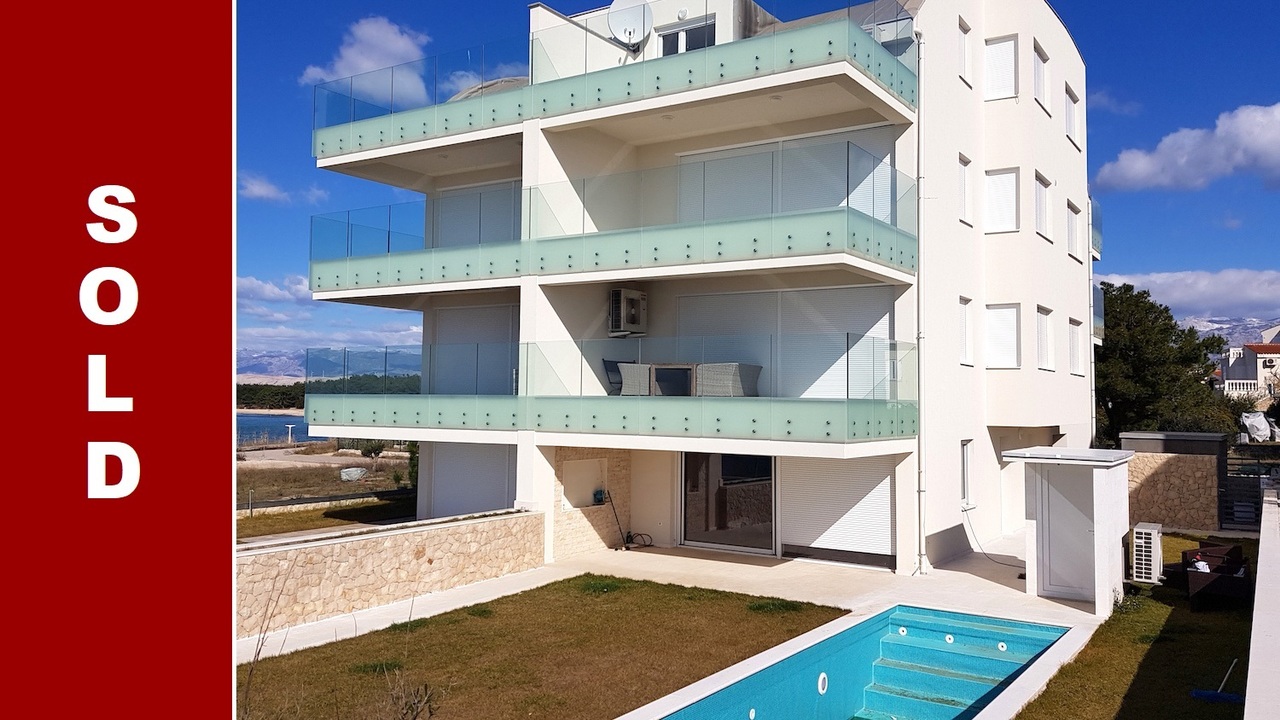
(496, 158)
(827, 103)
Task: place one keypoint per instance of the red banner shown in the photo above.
(120, 430)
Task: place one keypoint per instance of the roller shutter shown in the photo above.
(841, 505)
(471, 478)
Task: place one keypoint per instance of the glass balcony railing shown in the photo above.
(1099, 324)
(1095, 226)
(574, 64)
(475, 88)
(815, 388)
(800, 200)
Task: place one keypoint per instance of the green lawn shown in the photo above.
(589, 647)
(373, 511)
(1143, 663)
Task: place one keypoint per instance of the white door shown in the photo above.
(844, 505)
(1065, 533)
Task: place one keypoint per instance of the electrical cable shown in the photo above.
(965, 513)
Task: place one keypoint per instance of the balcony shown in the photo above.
(1095, 228)
(571, 64)
(811, 388)
(831, 198)
(1099, 324)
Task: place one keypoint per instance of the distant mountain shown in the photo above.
(1237, 331)
(270, 367)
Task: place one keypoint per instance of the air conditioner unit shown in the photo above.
(628, 312)
(1269, 362)
(1147, 554)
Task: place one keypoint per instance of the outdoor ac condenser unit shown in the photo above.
(628, 312)
(1147, 555)
(1269, 362)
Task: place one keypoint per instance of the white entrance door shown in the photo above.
(1065, 532)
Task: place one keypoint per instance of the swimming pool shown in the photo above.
(905, 663)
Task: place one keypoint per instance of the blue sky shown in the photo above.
(1183, 123)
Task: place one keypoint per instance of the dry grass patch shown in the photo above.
(588, 647)
(282, 483)
(374, 511)
(1151, 653)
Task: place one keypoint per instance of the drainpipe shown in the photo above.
(922, 559)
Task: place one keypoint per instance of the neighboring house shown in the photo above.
(1252, 370)
(788, 286)
(1270, 334)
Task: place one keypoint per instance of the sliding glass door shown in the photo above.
(728, 500)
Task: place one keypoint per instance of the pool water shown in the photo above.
(907, 663)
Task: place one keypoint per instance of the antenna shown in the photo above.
(630, 21)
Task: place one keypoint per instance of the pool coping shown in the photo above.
(1029, 683)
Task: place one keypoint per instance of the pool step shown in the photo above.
(901, 703)
(944, 682)
(1027, 640)
(969, 659)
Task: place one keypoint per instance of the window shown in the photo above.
(1002, 336)
(1002, 201)
(966, 498)
(964, 191)
(1044, 339)
(1042, 205)
(1075, 336)
(1002, 69)
(1073, 229)
(694, 35)
(1040, 76)
(966, 338)
(1071, 113)
(963, 61)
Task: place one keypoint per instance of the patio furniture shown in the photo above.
(1228, 575)
(635, 378)
(613, 375)
(673, 379)
(728, 379)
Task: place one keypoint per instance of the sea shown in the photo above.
(253, 428)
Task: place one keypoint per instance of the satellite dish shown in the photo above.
(630, 21)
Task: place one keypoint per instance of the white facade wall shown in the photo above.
(996, 409)
(962, 400)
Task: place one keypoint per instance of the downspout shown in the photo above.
(922, 558)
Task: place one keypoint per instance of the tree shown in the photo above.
(373, 449)
(1151, 374)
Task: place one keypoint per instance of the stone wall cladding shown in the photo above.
(319, 580)
(578, 531)
(1177, 491)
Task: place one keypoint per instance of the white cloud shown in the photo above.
(1245, 140)
(1231, 222)
(315, 195)
(264, 314)
(1103, 100)
(374, 43)
(292, 289)
(1231, 293)
(258, 187)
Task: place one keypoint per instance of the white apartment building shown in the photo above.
(702, 272)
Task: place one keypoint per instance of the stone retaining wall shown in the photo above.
(1175, 490)
(282, 587)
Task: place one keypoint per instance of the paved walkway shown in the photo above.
(972, 584)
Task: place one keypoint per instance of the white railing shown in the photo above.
(1240, 387)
